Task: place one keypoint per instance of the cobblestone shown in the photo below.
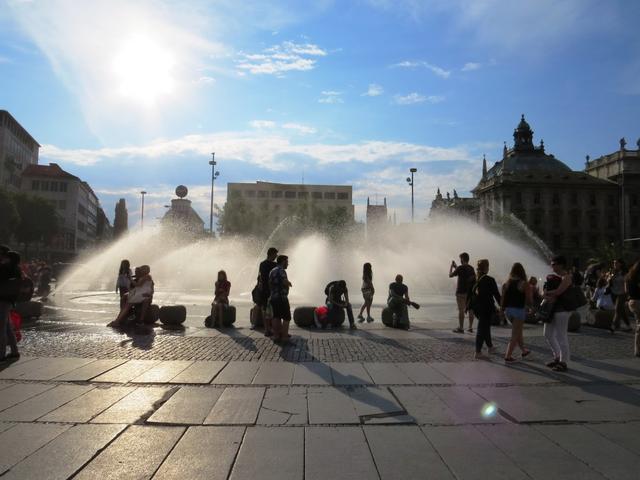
(590, 344)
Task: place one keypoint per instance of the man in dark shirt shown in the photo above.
(337, 298)
(265, 267)
(466, 279)
(398, 301)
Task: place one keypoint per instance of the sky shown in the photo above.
(134, 95)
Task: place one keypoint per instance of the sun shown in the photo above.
(143, 70)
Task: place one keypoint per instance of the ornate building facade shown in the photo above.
(575, 213)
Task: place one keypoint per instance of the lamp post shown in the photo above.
(410, 182)
(142, 193)
(214, 174)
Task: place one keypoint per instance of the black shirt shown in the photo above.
(485, 291)
(399, 289)
(466, 278)
(265, 267)
(633, 288)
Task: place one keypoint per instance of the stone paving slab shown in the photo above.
(24, 439)
(236, 406)
(378, 401)
(387, 374)
(534, 453)
(337, 453)
(237, 373)
(20, 392)
(89, 371)
(36, 407)
(66, 454)
(349, 374)
(274, 373)
(494, 372)
(623, 434)
(199, 372)
(188, 406)
(404, 453)
(469, 455)
(14, 369)
(588, 371)
(135, 407)
(163, 372)
(127, 371)
(598, 452)
(271, 454)
(423, 373)
(312, 373)
(425, 406)
(87, 406)
(4, 385)
(135, 454)
(466, 405)
(284, 406)
(48, 368)
(331, 406)
(203, 452)
(6, 426)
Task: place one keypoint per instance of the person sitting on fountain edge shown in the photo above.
(140, 294)
(398, 302)
(337, 298)
(263, 280)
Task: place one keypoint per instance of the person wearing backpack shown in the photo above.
(481, 303)
(10, 279)
(556, 331)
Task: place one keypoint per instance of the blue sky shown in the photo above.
(133, 95)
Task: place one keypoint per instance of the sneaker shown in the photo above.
(352, 326)
(509, 360)
(360, 319)
(480, 356)
(470, 330)
(369, 319)
(525, 353)
(552, 363)
(560, 367)
(458, 330)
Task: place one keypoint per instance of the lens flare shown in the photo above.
(489, 410)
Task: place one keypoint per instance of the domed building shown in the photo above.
(181, 216)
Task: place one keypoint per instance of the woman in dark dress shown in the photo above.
(483, 296)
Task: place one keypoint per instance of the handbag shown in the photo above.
(544, 313)
(573, 298)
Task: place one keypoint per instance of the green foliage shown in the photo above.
(38, 219)
(9, 217)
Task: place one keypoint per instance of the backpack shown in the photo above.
(472, 296)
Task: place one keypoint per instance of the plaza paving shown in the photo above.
(85, 402)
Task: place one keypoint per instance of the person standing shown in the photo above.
(481, 302)
(265, 267)
(10, 273)
(123, 283)
(367, 292)
(616, 284)
(556, 332)
(466, 278)
(279, 286)
(632, 287)
(516, 296)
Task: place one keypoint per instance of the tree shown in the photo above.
(9, 217)
(38, 220)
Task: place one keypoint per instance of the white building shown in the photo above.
(75, 202)
(18, 150)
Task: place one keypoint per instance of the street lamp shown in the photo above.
(410, 182)
(214, 174)
(143, 193)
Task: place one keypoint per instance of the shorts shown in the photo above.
(281, 309)
(461, 300)
(368, 297)
(514, 313)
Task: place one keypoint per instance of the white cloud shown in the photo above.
(331, 97)
(470, 66)
(204, 80)
(439, 71)
(303, 129)
(415, 97)
(268, 150)
(262, 124)
(276, 60)
(374, 90)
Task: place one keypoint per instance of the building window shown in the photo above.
(289, 194)
(233, 193)
(63, 186)
(35, 184)
(44, 185)
(330, 195)
(81, 226)
(592, 199)
(316, 195)
(574, 198)
(250, 193)
(276, 194)
(303, 194)
(555, 199)
(343, 196)
(556, 219)
(536, 198)
(263, 194)
(82, 210)
(54, 186)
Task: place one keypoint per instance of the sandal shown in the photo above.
(458, 330)
(509, 360)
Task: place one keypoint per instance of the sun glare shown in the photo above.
(143, 70)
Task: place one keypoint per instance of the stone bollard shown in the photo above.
(303, 317)
(173, 315)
